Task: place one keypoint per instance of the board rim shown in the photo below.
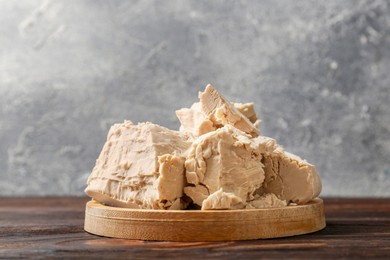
(198, 225)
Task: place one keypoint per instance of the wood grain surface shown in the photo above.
(53, 227)
(200, 225)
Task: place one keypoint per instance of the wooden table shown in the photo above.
(53, 227)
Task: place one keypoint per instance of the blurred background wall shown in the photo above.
(318, 72)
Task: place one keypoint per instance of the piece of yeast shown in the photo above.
(194, 121)
(221, 112)
(248, 110)
(289, 177)
(226, 159)
(222, 200)
(268, 200)
(214, 111)
(140, 166)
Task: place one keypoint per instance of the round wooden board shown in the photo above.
(197, 225)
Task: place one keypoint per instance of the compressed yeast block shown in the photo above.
(221, 112)
(268, 200)
(214, 111)
(248, 110)
(290, 178)
(194, 121)
(226, 159)
(222, 200)
(140, 166)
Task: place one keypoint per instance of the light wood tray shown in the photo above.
(197, 225)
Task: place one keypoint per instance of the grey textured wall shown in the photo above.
(318, 71)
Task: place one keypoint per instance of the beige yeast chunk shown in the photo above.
(221, 112)
(248, 110)
(222, 200)
(194, 121)
(290, 178)
(226, 158)
(140, 166)
(268, 200)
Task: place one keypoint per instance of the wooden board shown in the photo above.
(197, 225)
